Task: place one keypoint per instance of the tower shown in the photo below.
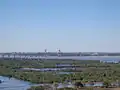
(59, 53)
(45, 52)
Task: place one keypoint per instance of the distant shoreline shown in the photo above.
(100, 58)
(63, 53)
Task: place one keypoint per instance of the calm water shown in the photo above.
(86, 57)
(47, 69)
(13, 84)
(74, 57)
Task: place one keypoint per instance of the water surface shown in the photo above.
(13, 84)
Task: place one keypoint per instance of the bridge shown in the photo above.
(39, 55)
(50, 55)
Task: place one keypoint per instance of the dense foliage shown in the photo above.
(87, 71)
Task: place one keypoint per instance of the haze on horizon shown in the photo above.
(75, 26)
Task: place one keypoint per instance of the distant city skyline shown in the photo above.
(71, 26)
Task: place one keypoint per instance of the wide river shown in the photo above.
(109, 58)
(13, 84)
(74, 57)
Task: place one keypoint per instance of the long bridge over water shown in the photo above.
(40, 55)
(51, 55)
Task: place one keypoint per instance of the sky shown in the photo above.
(68, 25)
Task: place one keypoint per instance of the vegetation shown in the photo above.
(85, 71)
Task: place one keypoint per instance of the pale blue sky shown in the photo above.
(71, 25)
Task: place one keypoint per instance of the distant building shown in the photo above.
(115, 84)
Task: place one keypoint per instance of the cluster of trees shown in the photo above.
(99, 72)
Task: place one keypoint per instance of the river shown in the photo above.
(13, 84)
(70, 57)
(85, 57)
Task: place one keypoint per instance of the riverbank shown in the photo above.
(13, 84)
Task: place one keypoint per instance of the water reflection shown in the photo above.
(13, 84)
(47, 69)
